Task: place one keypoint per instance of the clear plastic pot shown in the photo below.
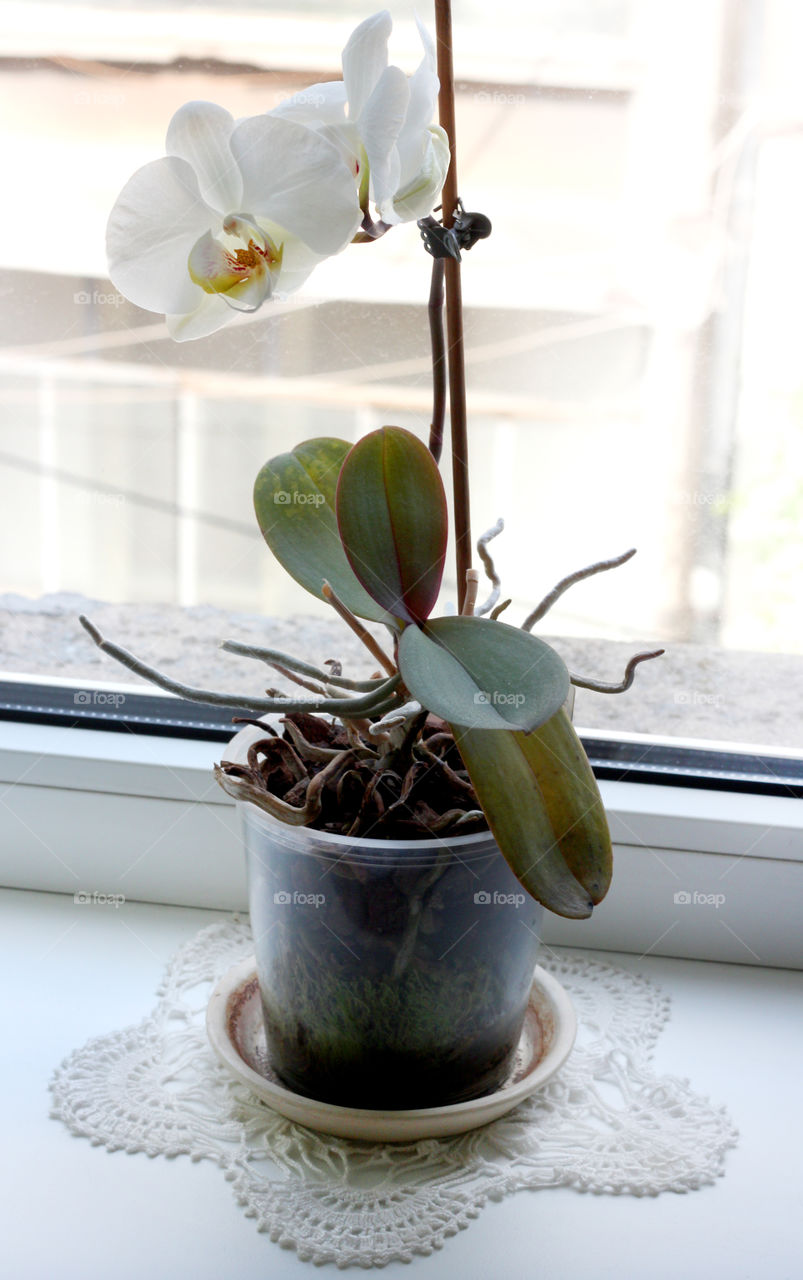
(393, 975)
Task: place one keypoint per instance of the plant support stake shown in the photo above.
(454, 308)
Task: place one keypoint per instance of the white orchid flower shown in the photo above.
(380, 119)
(235, 212)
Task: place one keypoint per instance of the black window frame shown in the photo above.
(617, 760)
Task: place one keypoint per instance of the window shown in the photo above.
(631, 376)
(633, 371)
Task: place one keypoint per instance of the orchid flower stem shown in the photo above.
(438, 345)
(454, 309)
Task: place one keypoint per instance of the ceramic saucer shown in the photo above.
(237, 1035)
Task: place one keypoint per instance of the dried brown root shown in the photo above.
(356, 787)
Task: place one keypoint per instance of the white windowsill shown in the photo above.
(75, 1210)
(110, 813)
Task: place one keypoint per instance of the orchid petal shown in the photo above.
(323, 107)
(292, 279)
(422, 154)
(211, 267)
(298, 262)
(424, 86)
(346, 140)
(380, 124)
(199, 133)
(430, 54)
(294, 177)
(210, 315)
(365, 57)
(319, 104)
(250, 293)
(418, 197)
(156, 220)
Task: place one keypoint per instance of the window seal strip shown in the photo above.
(620, 760)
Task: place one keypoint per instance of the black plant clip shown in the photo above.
(465, 231)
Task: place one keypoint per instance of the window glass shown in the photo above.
(631, 332)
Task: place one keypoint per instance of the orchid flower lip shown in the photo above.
(245, 227)
(240, 268)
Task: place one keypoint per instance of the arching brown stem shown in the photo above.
(438, 345)
(454, 308)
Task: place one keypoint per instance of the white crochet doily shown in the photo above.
(604, 1123)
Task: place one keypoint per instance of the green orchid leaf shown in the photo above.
(294, 500)
(543, 806)
(482, 674)
(391, 512)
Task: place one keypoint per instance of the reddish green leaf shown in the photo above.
(543, 806)
(391, 512)
(294, 499)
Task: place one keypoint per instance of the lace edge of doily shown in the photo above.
(465, 1206)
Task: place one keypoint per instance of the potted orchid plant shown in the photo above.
(390, 822)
